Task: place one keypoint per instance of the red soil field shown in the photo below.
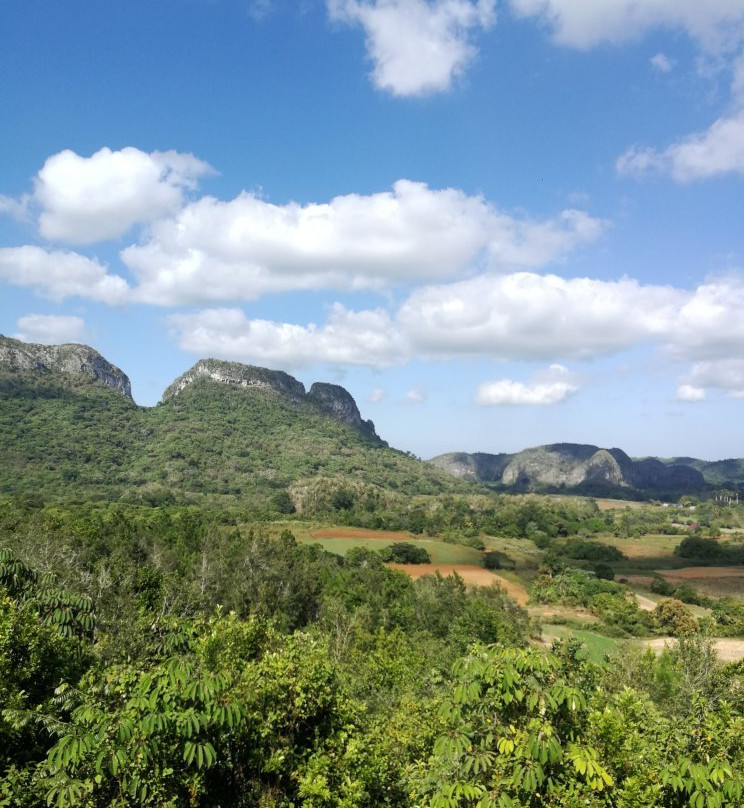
(358, 533)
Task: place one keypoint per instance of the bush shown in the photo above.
(405, 553)
(590, 551)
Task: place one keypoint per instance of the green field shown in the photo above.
(596, 647)
(440, 552)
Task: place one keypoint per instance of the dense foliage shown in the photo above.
(182, 657)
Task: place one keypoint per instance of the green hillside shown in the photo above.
(65, 437)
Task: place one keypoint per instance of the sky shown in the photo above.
(497, 223)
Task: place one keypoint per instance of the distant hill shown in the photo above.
(69, 429)
(587, 469)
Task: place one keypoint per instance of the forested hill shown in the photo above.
(68, 428)
(587, 469)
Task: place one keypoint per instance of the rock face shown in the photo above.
(571, 465)
(70, 359)
(339, 403)
(332, 399)
(235, 374)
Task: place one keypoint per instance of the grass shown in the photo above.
(440, 552)
(596, 647)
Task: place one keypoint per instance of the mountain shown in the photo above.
(331, 398)
(77, 362)
(580, 468)
(225, 431)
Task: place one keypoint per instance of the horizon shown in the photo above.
(498, 225)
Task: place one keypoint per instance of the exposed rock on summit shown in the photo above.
(238, 375)
(70, 358)
(339, 403)
(330, 398)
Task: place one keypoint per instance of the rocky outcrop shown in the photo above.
(332, 399)
(70, 359)
(340, 404)
(238, 375)
(572, 465)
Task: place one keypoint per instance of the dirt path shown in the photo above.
(476, 576)
(645, 603)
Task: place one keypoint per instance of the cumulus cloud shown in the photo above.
(240, 249)
(520, 317)
(726, 375)
(348, 338)
(88, 199)
(530, 316)
(710, 323)
(376, 395)
(719, 150)
(51, 329)
(715, 24)
(417, 47)
(59, 275)
(550, 387)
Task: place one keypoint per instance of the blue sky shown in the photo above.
(498, 223)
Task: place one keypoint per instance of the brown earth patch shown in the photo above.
(637, 580)
(727, 650)
(475, 576)
(354, 533)
(687, 573)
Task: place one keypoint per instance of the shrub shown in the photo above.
(405, 553)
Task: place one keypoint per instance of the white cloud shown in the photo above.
(376, 395)
(59, 275)
(348, 338)
(715, 24)
(662, 63)
(241, 249)
(717, 151)
(530, 316)
(17, 208)
(415, 396)
(688, 392)
(726, 375)
(89, 199)
(51, 329)
(710, 323)
(550, 387)
(417, 47)
(519, 317)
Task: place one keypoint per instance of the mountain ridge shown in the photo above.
(225, 427)
(223, 430)
(590, 469)
(68, 358)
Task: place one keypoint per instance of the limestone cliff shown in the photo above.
(70, 359)
(238, 375)
(340, 404)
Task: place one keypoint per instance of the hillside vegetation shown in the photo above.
(67, 435)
